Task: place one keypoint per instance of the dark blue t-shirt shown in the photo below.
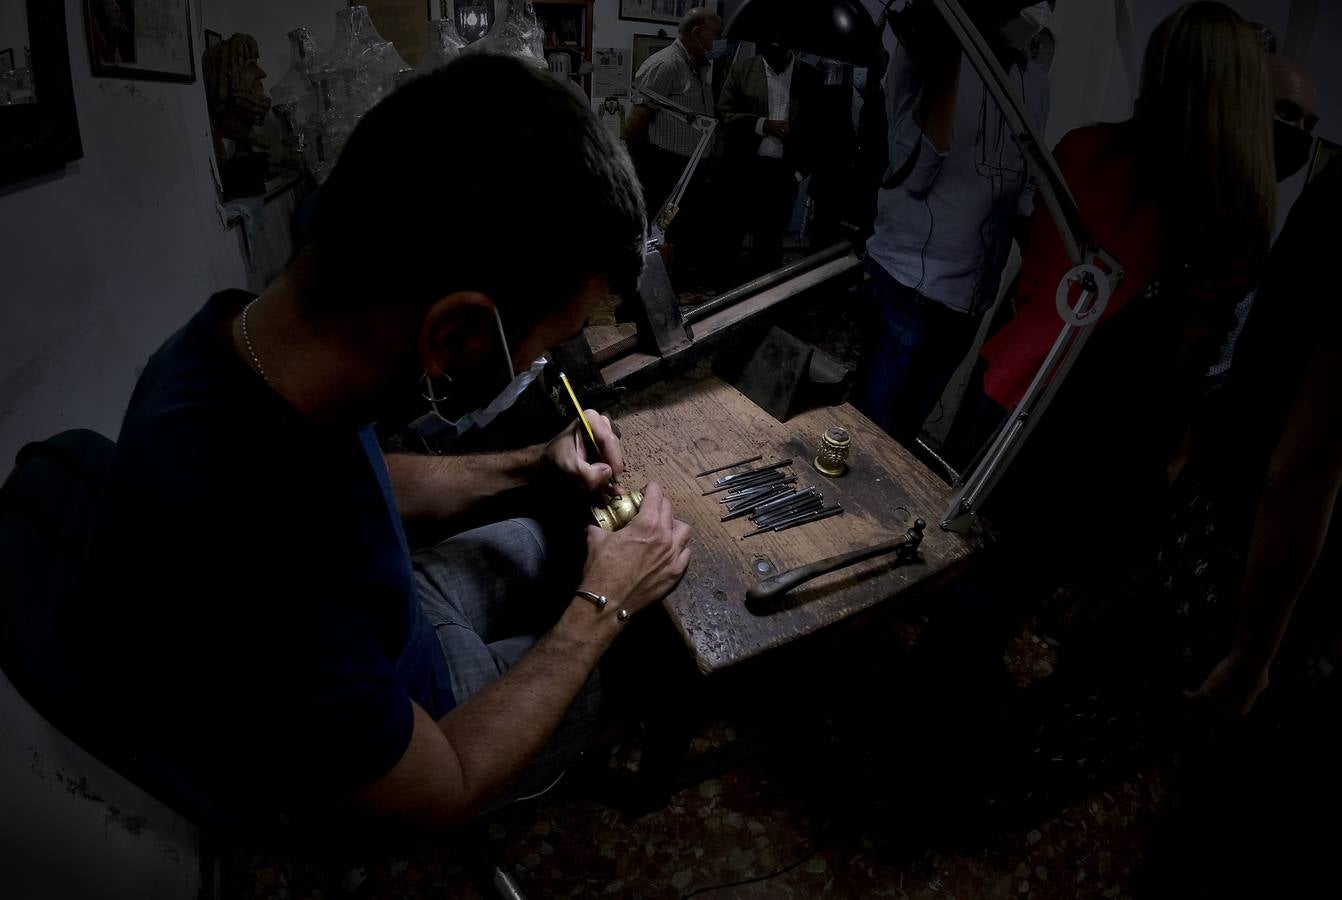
(254, 609)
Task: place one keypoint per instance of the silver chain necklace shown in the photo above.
(247, 339)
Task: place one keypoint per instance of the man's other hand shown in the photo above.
(777, 128)
(641, 563)
(567, 454)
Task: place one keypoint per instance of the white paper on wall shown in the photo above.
(610, 72)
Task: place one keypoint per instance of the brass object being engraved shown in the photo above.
(832, 457)
(616, 514)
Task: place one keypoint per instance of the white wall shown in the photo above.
(609, 30)
(99, 264)
(1090, 80)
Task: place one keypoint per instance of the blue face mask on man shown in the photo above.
(719, 49)
(715, 50)
(434, 425)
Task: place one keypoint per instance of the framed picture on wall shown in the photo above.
(39, 125)
(669, 11)
(646, 45)
(212, 38)
(141, 39)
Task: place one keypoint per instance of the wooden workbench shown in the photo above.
(696, 422)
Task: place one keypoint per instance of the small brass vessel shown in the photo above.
(832, 457)
(616, 514)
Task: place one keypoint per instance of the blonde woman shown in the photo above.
(1182, 194)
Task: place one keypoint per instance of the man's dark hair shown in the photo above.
(486, 175)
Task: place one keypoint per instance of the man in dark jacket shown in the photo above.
(766, 111)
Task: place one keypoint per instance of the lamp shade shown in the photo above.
(838, 29)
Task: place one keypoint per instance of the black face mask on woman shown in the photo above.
(1292, 145)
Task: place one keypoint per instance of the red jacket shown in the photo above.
(1102, 177)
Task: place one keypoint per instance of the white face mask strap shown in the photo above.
(435, 399)
(503, 342)
(429, 394)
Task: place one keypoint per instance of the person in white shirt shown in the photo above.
(956, 187)
(765, 110)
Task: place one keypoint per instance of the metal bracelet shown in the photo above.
(599, 599)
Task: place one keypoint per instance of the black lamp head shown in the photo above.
(842, 30)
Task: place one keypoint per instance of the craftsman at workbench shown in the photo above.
(257, 612)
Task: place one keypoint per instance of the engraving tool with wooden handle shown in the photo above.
(778, 585)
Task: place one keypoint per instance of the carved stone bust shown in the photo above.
(237, 104)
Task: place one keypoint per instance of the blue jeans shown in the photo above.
(915, 347)
(490, 596)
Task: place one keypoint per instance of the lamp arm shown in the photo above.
(1093, 270)
(706, 126)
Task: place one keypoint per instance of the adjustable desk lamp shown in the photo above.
(705, 125)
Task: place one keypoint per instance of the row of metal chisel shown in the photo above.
(768, 497)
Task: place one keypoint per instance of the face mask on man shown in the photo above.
(1291, 145)
(1018, 32)
(435, 425)
(719, 49)
(714, 48)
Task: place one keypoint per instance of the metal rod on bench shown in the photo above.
(767, 280)
(751, 474)
(730, 465)
(748, 492)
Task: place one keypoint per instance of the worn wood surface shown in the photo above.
(610, 341)
(696, 422)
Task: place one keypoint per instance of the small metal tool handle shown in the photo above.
(778, 585)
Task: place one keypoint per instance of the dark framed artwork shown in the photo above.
(42, 134)
(140, 39)
(646, 45)
(668, 11)
(212, 38)
(7, 60)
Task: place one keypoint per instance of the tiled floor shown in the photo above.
(770, 812)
